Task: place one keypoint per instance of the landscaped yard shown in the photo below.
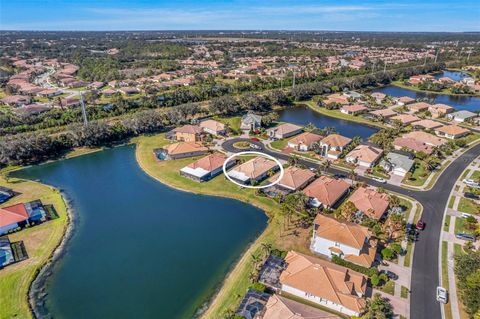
(40, 241)
(418, 176)
(468, 206)
(446, 225)
(475, 175)
(279, 144)
(451, 202)
(237, 281)
(232, 122)
(444, 283)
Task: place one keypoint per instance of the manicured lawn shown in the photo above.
(457, 249)
(465, 173)
(475, 175)
(232, 122)
(237, 282)
(468, 206)
(389, 287)
(418, 176)
(460, 226)
(40, 241)
(404, 292)
(447, 307)
(279, 144)
(408, 255)
(446, 225)
(451, 202)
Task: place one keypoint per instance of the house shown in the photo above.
(326, 191)
(426, 124)
(353, 109)
(129, 90)
(17, 215)
(250, 121)
(336, 99)
(378, 96)
(439, 110)
(405, 119)
(213, 127)
(452, 131)
(343, 239)
(279, 307)
(461, 116)
(6, 253)
(370, 202)
(5, 194)
(252, 304)
(324, 283)
(206, 168)
(398, 164)
(418, 107)
(304, 141)
(253, 171)
(284, 130)
(181, 150)
(426, 138)
(16, 100)
(294, 179)
(333, 145)
(383, 114)
(364, 155)
(187, 133)
(404, 100)
(49, 93)
(108, 92)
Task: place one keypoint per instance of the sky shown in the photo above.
(339, 15)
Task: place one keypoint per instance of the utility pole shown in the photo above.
(436, 56)
(84, 111)
(384, 67)
(293, 84)
(468, 57)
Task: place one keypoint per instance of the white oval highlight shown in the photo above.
(255, 153)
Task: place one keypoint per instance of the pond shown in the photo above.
(139, 248)
(303, 115)
(454, 75)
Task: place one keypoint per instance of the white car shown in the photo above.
(442, 295)
(254, 146)
(379, 179)
(470, 182)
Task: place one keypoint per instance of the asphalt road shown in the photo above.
(425, 270)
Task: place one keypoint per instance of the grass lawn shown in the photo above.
(460, 226)
(447, 307)
(468, 206)
(408, 255)
(418, 176)
(465, 173)
(475, 175)
(236, 283)
(389, 287)
(446, 225)
(279, 144)
(451, 202)
(232, 122)
(457, 187)
(457, 249)
(40, 241)
(404, 292)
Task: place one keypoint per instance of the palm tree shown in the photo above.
(353, 176)
(256, 260)
(394, 201)
(293, 160)
(266, 248)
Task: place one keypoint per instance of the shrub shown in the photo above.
(366, 271)
(388, 254)
(258, 286)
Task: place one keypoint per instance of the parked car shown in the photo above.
(390, 275)
(466, 215)
(442, 295)
(420, 225)
(254, 146)
(470, 182)
(255, 139)
(379, 179)
(467, 237)
(471, 195)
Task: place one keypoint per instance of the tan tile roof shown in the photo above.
(453, 130)
(428, 124)
(425, 138)
(279, 307)
(212, 125)
(440, 107)
(255, 167)
(419, 106)
(405, 118)
(324, 279)
(294, 177)
(184, 147)
(347, 233)
(370, 202)
(406, 99)
(210, 162)
(286, 128)
(336, 140)
(354, 108)
(412, 144)
(189, 129)
(306, 138)
(366, 153)
(327, 190)
(384, 113)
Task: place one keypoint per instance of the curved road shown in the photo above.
(425, 276)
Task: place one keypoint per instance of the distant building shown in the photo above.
(284, 130)
(206, 167)
(253, 171)
(461, 116)
(21, 214)
(370, 202)
(181, 150)
(364, 155)
(304, 141)
(251, 121)
(326, 191)
(6, 253)
(213, 127)
(452, 131)
(398, 164)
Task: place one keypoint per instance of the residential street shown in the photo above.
(425, 274)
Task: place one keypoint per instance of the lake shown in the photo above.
(470, 103)
(303, 115)
(140, 249)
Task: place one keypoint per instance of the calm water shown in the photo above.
(141, 249)
(470, 103)
(303, 115)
